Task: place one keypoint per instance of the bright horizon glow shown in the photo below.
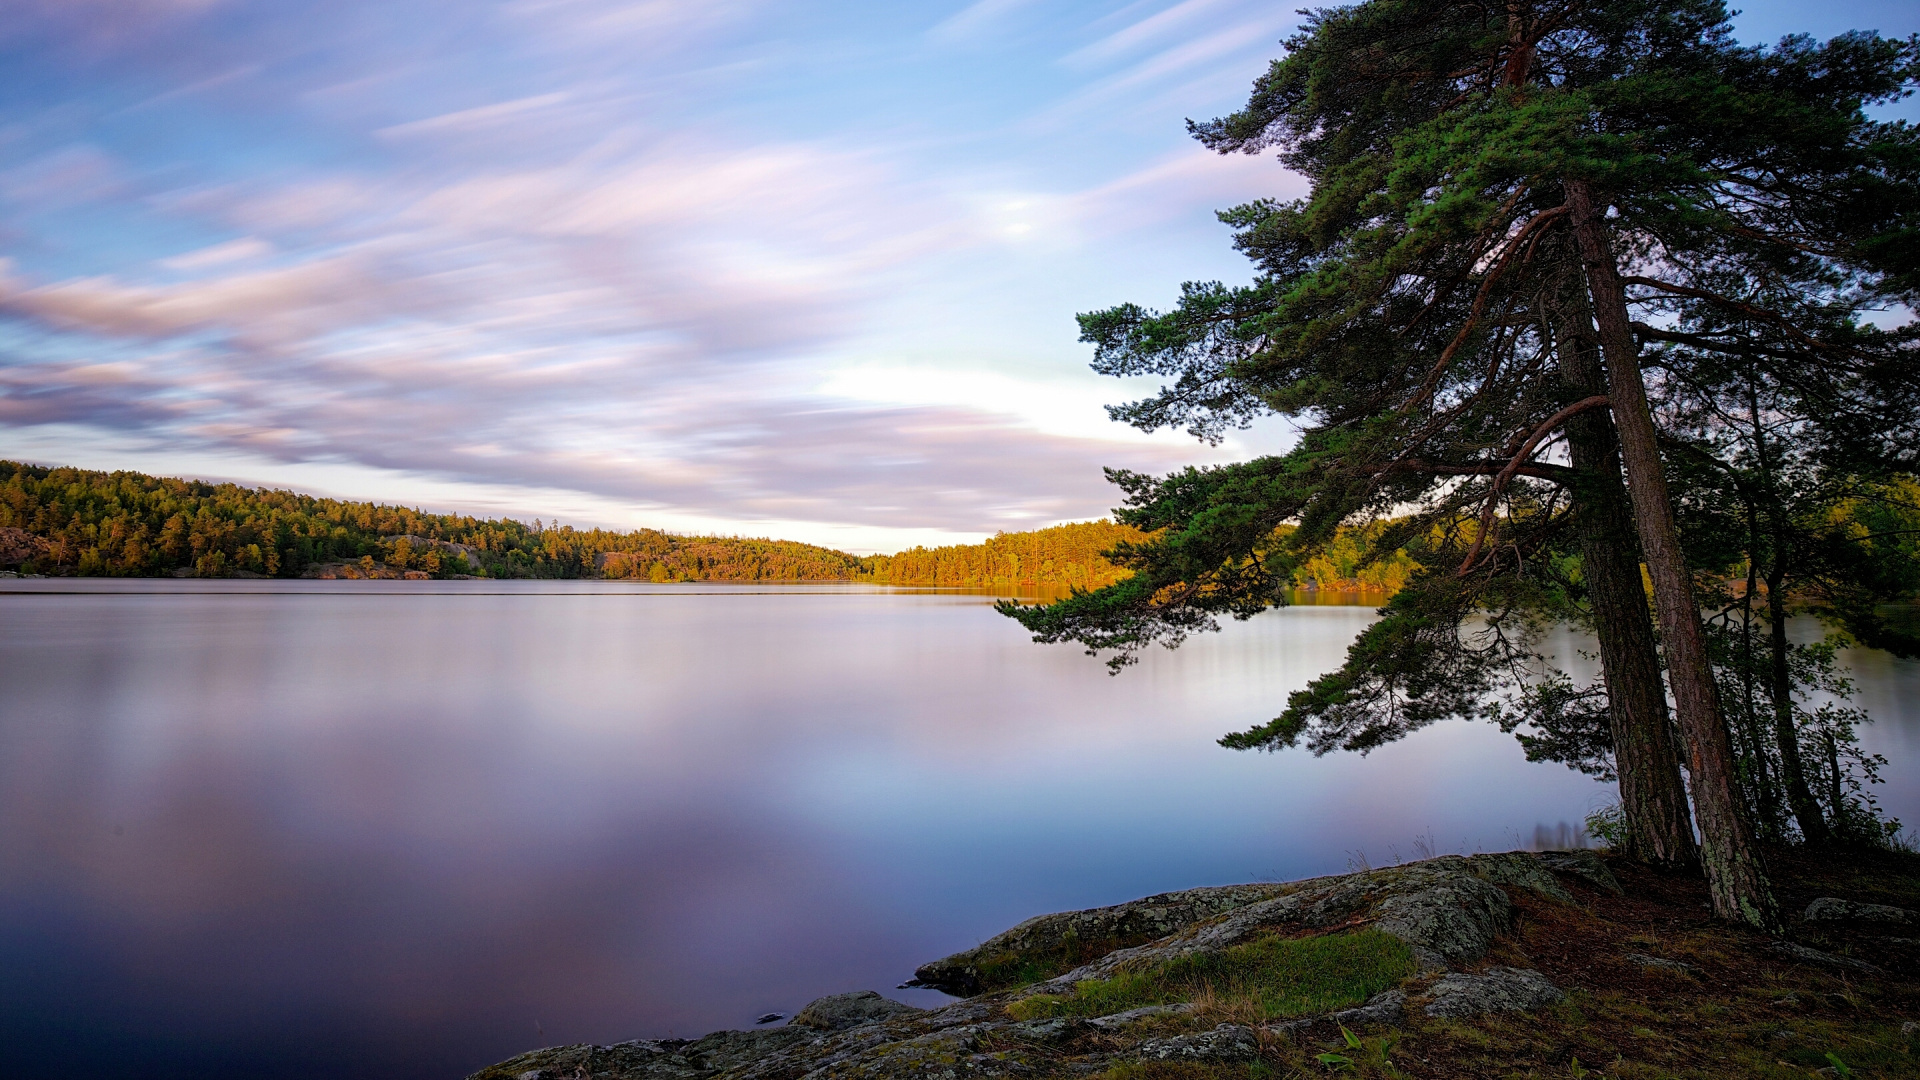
(796, 270)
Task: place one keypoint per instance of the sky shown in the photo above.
(795, 268)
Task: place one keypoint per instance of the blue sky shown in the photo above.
(797, 269)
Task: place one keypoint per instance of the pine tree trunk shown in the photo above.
(1653, 797)
(1806, 810)
(1736, 877)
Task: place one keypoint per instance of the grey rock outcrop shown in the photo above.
(1122, 1019)
(1582, 864)
(1498, 989)
(1096, 930)
(1806, 955)
(842, 1011)
(653, 1059)
(1386, 1007)
(1228, 1042)
(1449, 910)
(1832, 909)
(1661, 964)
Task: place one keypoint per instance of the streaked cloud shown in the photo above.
(807, 269)
(600, 249)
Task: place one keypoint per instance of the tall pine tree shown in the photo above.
(1508, 203)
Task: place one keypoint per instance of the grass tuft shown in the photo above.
(1272, 977)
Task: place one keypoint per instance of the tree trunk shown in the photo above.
(1806, 810)
(1736, 877)
(1653, 798)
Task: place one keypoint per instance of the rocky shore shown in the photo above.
(1421, 969)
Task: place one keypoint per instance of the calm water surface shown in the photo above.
(385, 829)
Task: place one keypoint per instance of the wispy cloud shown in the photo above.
(609, 248)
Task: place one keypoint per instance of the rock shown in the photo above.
(841, 1011)
(1814, 956)
(1387, 1007)
(1228, 1042)
(1289, 1027)
(1449, 919)
(1499, 989)
(1584, 865)
(648, 1059)
(1832, 909)
(1520, 869)
(953, 1054)
(1058, 1029)
(1666, 965)
(1070, 937)
(1448, 910)
(1122, 1019)
(18, 545)
(1445, 908)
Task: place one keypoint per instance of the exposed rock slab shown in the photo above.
(1832, 909)
(841, 1011)
(1498, 989)
(1806, 955)
(1122, 1019)
(1662, 964)
(1228, 1042)
(1584, 865)
(1095, 930)
(1386, 1007)
(1449, 910)
(649, 1059)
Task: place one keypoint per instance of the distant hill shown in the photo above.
(74, 521)
(126, 524)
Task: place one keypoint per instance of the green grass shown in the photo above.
(1276, 976)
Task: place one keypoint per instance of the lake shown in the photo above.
(406, 829)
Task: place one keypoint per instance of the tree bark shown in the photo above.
(1736, 876)
(1806, 810)
(1653, 797)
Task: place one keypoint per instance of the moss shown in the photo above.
(1274, 976)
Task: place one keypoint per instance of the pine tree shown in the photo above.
(1509, 202)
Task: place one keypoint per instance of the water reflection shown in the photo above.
(394, 829)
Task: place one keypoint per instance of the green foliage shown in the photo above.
(93, 524)
(1275, 976)
(129, 524)
(1608, 825)
(1422, 314)
(1375, 1052)
(1072, 555)
(1840, 772)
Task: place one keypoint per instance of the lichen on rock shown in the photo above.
(1498, 989)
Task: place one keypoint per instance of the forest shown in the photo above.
(1074, 555)
(64, 521)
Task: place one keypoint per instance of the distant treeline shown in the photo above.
(1071, 555)
(126, 524)
(1062, 555)
(73, 521)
